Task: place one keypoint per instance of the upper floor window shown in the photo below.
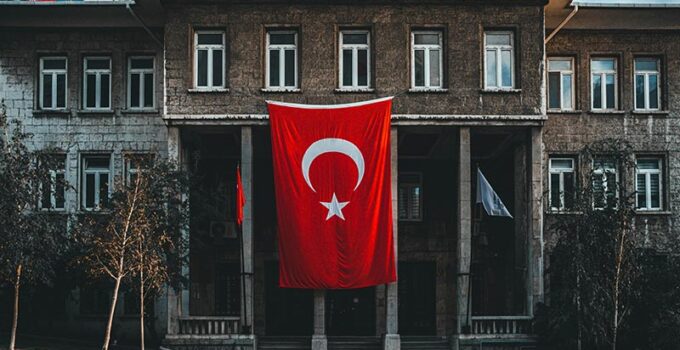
(648, 183)
(97, 83)
(562, 183)
(96, 177)
(426, 60)
(647, 84)
(282, 59)
(53, 187)
(355, 53)
(605, 183)
(603, 83)
(209, 59)
(410, 197)
(140, 82)
(561, 84)
(499, 61)
(53, 88)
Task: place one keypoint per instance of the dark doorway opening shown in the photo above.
(417, 298)
(288, 311)
(350, 312)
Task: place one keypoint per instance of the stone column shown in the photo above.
(248, 303)
(535, 250)
(319, 340)
(177, 301)
(392, 340)
(464, 229)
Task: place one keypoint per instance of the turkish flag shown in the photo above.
(333, 194)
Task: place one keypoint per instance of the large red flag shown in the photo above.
(333, 194)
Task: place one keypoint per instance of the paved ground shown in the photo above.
(45, 343)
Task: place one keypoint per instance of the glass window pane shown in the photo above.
(148, 90)
(54, 63)
(569, 190)
(97, 163)
(655, 189)
(355, 38)
(648, 164)
(563, 164)
(653, 91)
(281, 39)
(362, 66)
(506, 60)
(419, 67)
(61, 90)
(602, 64)
(217, 67)
(46, 194)
(491, 80)
(89, 190)
(141, 63)
(98, 63)
(611, 91)
(434, 68)
(566, 92)
(347, 67)
(47, 90)
(640, 91)
(403, 208)
(611, 188)
(210, 39)
(648, 64)
(105, 94)
(559, 64)
(60, 188)
(103, 189)
(597, 91)
(91, 90)
(134, 90)
(598, 191)
(290, 67)
(202, 79)
(498, 39)
(554, 94)
(426, 39)
(641, 188)
(555, 191)
(274, 68)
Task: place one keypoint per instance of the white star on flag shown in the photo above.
(334, 208)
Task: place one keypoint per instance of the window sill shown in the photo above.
(653, 212)
(208, 90)
(563, 212)
(428, 90)
(96, 113)
(609, 112)
(54, 112)
(500, 91)
(140, 111)
(649, 112)
(558, 111)
(281, 90)
(354, 90)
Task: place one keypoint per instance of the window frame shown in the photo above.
(355, 60)
(426, 62)
(281, 48)
(561, 173)
(97, 185)
(53, 173)
(410, 184)
(648, 173)
(602, 172)
(562, 73)
(142, 72)
(603, 84)
(209, 68)
(54, 73)
(646, 74)
(98, 73)
(499, 66)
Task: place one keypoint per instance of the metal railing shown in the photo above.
(501, 325)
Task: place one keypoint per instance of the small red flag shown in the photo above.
(240, 197)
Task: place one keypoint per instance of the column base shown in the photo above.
(392, 342)
(319, 342)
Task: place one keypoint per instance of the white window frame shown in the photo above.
(53, 188)
(209, 69)
(142, 76)
(560, 172)
(54, 73)
(426, 60)
(646, 74)
(498, 49)
(562, 74)
(97, 185)
(409, 185)
(131, 170)
(281, 48)
(648, 180)
(98, 73)
(355, 60)
(605, 183)
(603, 85)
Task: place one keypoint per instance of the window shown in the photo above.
(605, 183)
(647, 88)
(562, 183)
(603, 83)
(97, 83)
(228, 289)
(281, 60)
(499, 60)
(53, 82)
(355, 59)
(648, 183)
(134, 164)
(53, 188)
(140, 82)
(410, 197)
(561, 84)
(95, 181)
(209, 59)
(426, 60)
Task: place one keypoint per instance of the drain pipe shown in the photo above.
(562, 24)
(146, 28)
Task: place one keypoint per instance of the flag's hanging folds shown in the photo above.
(240, 197)
(489, 198)
(333, 194)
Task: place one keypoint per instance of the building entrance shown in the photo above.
(288, 311)
(417, 283)
(350, 312)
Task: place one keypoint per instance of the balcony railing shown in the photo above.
(501, 325)
(209, 325)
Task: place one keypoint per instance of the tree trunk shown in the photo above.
(15, 317)
(141, 309)
(112, 311)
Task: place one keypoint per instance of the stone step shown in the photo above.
(284, 343)
(354, 343)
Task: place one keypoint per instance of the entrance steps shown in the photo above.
(354, 343)
(425, 343)
(284, 343)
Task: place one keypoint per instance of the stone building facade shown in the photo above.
(472, 87)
